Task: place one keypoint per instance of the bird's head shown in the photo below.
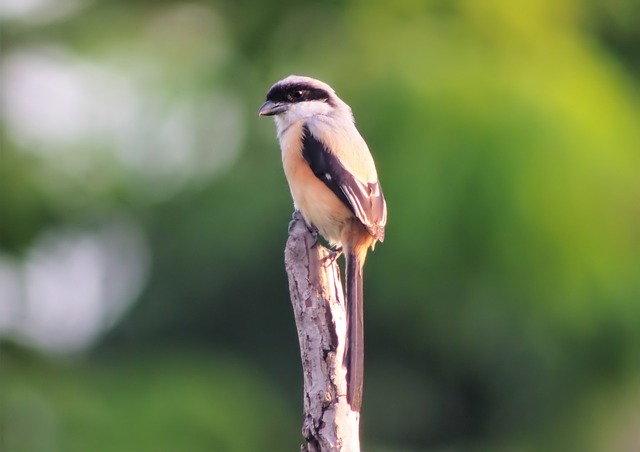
(295, 98)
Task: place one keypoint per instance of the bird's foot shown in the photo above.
(315, 235)
(333, 256)
(295, 217)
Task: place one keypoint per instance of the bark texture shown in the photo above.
(318, 304)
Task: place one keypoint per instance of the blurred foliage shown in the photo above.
(502, 311)
(168, 402)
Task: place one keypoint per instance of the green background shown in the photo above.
(143, 216)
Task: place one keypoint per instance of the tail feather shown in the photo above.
(355, 345)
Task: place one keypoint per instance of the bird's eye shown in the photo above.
(297, 94)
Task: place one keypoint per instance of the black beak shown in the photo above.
(270, 108)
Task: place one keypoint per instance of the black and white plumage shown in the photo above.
(365, 199)
(334, 184)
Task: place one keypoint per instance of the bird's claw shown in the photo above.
(314, 234)
(295, 217)
(333, 256)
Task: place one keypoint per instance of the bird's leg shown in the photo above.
(312, 229)
(295, 217)
(333, 256)
(314, 232)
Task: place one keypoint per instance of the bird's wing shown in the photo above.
(365, 199)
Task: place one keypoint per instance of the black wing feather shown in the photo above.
(365, 200)
(324, 165)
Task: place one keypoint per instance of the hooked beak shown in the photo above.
(270, 108)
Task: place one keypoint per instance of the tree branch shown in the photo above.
(318, 305)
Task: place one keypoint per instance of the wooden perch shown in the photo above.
(318, 304)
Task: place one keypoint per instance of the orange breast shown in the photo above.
(319, 206)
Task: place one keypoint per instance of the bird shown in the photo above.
(334, 185)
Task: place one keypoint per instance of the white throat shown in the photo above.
(304, 110)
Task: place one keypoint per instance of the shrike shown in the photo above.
(334, 184)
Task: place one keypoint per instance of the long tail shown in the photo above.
(355, 346)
